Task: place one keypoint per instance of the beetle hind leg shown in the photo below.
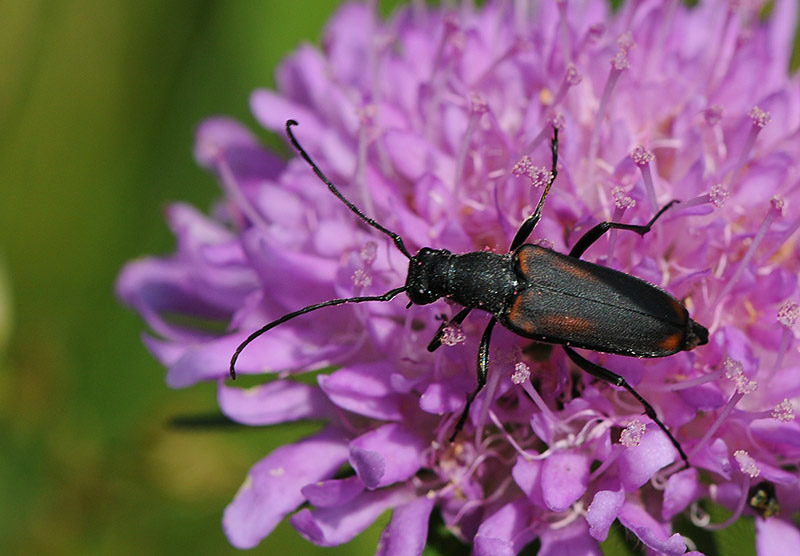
(616, 380)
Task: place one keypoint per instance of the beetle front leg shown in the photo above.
(616, 380)
(483, 370)
(436, 342)
(597, 232)
(529, 224)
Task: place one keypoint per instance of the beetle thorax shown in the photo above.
(480, 280)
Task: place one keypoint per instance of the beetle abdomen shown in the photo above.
(565, 300)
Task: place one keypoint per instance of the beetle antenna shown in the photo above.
(391, 294)
(398, 241)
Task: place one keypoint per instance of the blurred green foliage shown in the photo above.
(98, 105)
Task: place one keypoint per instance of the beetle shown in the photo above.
(539, 294)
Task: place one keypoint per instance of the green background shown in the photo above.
(98, 105)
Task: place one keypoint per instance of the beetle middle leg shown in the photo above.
(617, 380)
(483, 370)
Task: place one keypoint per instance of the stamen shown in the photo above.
(556, 121)
(453, 334)
(717, 198)
(783, 238)
(490, 392)
(522, 372)
(719, 195)
(361, 278)
(733, 370)
(642, 158)
(539, 175)
(713, 114)
(563, 32)
(477, 108)
(776, 210)
(571, 79)
(760, 119)
(519, 45)
(747, 464)
(742, 458)
(783, 412)
(631, 435)
(689, 383)
(788, 314)
(618, 64)
(366, 116)
(522, 167)
(537, 399)
(592, 36)
(233, 190)
(625, 41)
(716, 150)
(369, 252)
(622, 202)
(509, 438)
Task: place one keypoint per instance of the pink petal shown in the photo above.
(340, 524)
(386, 455)
(272, 488)
(407, 532)
(279, 401)
(602, 512)
(564, 479)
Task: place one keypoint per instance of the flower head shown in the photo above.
(426, 122)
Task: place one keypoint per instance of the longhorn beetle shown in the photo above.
(538, 294)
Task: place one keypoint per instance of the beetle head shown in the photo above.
(426, 275)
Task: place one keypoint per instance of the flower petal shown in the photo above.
(386, 455)
(565, 476)
(280, 401)
(572, 539)
(776, 536)
(272, 488)
(638, 463)
(653, 534)
(602, 512)
(506, 531)
(682, 489)
(333, 492)
(407, 532)
(340, 524)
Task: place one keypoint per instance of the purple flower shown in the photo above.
(437, 124)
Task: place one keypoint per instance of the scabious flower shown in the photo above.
(437, 123)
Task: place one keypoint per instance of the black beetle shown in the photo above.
(538, 294)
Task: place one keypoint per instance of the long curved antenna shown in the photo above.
(391, 294)
(398, 241)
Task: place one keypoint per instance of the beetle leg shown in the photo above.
(483, 369)
(595, 233)
(529, 224)
(616, 380)
(436, 342)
